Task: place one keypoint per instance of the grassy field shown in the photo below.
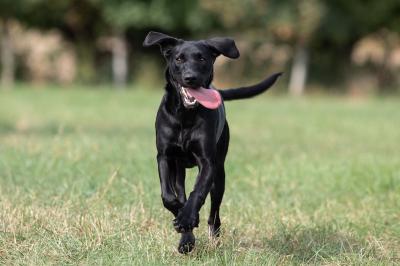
(310, 181)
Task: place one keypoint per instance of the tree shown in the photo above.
(7, 55)
(349, 21)
(78, 21)
(9, 10)
(292, 22)
(296, 23)
(121, 15)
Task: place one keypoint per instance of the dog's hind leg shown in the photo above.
(218, 186)
(216, 193)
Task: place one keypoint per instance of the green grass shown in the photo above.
(309, 181)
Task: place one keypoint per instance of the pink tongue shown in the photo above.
(209, 98)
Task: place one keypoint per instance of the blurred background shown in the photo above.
(341, 46)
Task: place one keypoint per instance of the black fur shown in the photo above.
(186, 137)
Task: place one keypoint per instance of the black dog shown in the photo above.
(191, 129)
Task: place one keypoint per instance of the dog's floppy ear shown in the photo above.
(163, 40)
(224, 46)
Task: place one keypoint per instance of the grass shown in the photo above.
(309, 181)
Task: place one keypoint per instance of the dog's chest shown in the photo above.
(175, 135)
(182, 137)
(175, 142)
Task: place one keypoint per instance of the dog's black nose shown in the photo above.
(189, 79)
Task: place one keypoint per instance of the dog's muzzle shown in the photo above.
(188, 100)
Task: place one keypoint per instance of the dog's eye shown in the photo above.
(179, 59)
(202, 58)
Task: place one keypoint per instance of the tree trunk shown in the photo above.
(298, 73)
(119, 52)
(86, 60)
(386, 80)
(7, 56)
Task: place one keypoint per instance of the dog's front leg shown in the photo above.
(167, 173)
(188, 216)
(172, 180)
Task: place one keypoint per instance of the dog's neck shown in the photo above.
(173, 99)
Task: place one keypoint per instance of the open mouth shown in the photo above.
(207, 97)
(188, 100)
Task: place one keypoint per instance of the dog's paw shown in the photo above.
(214, 231)
(185, 221)
(186, 244)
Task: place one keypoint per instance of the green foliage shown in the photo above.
(34, 12)
(168, 15)
(329, 28)
(13, 9)
(349, 20)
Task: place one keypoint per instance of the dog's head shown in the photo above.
(190, 63)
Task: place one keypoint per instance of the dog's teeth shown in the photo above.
(188, 99)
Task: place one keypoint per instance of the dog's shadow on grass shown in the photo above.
(317, 243)
(299, 244)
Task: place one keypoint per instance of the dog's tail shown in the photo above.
(250, 91)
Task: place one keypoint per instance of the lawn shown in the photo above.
(309, 181)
